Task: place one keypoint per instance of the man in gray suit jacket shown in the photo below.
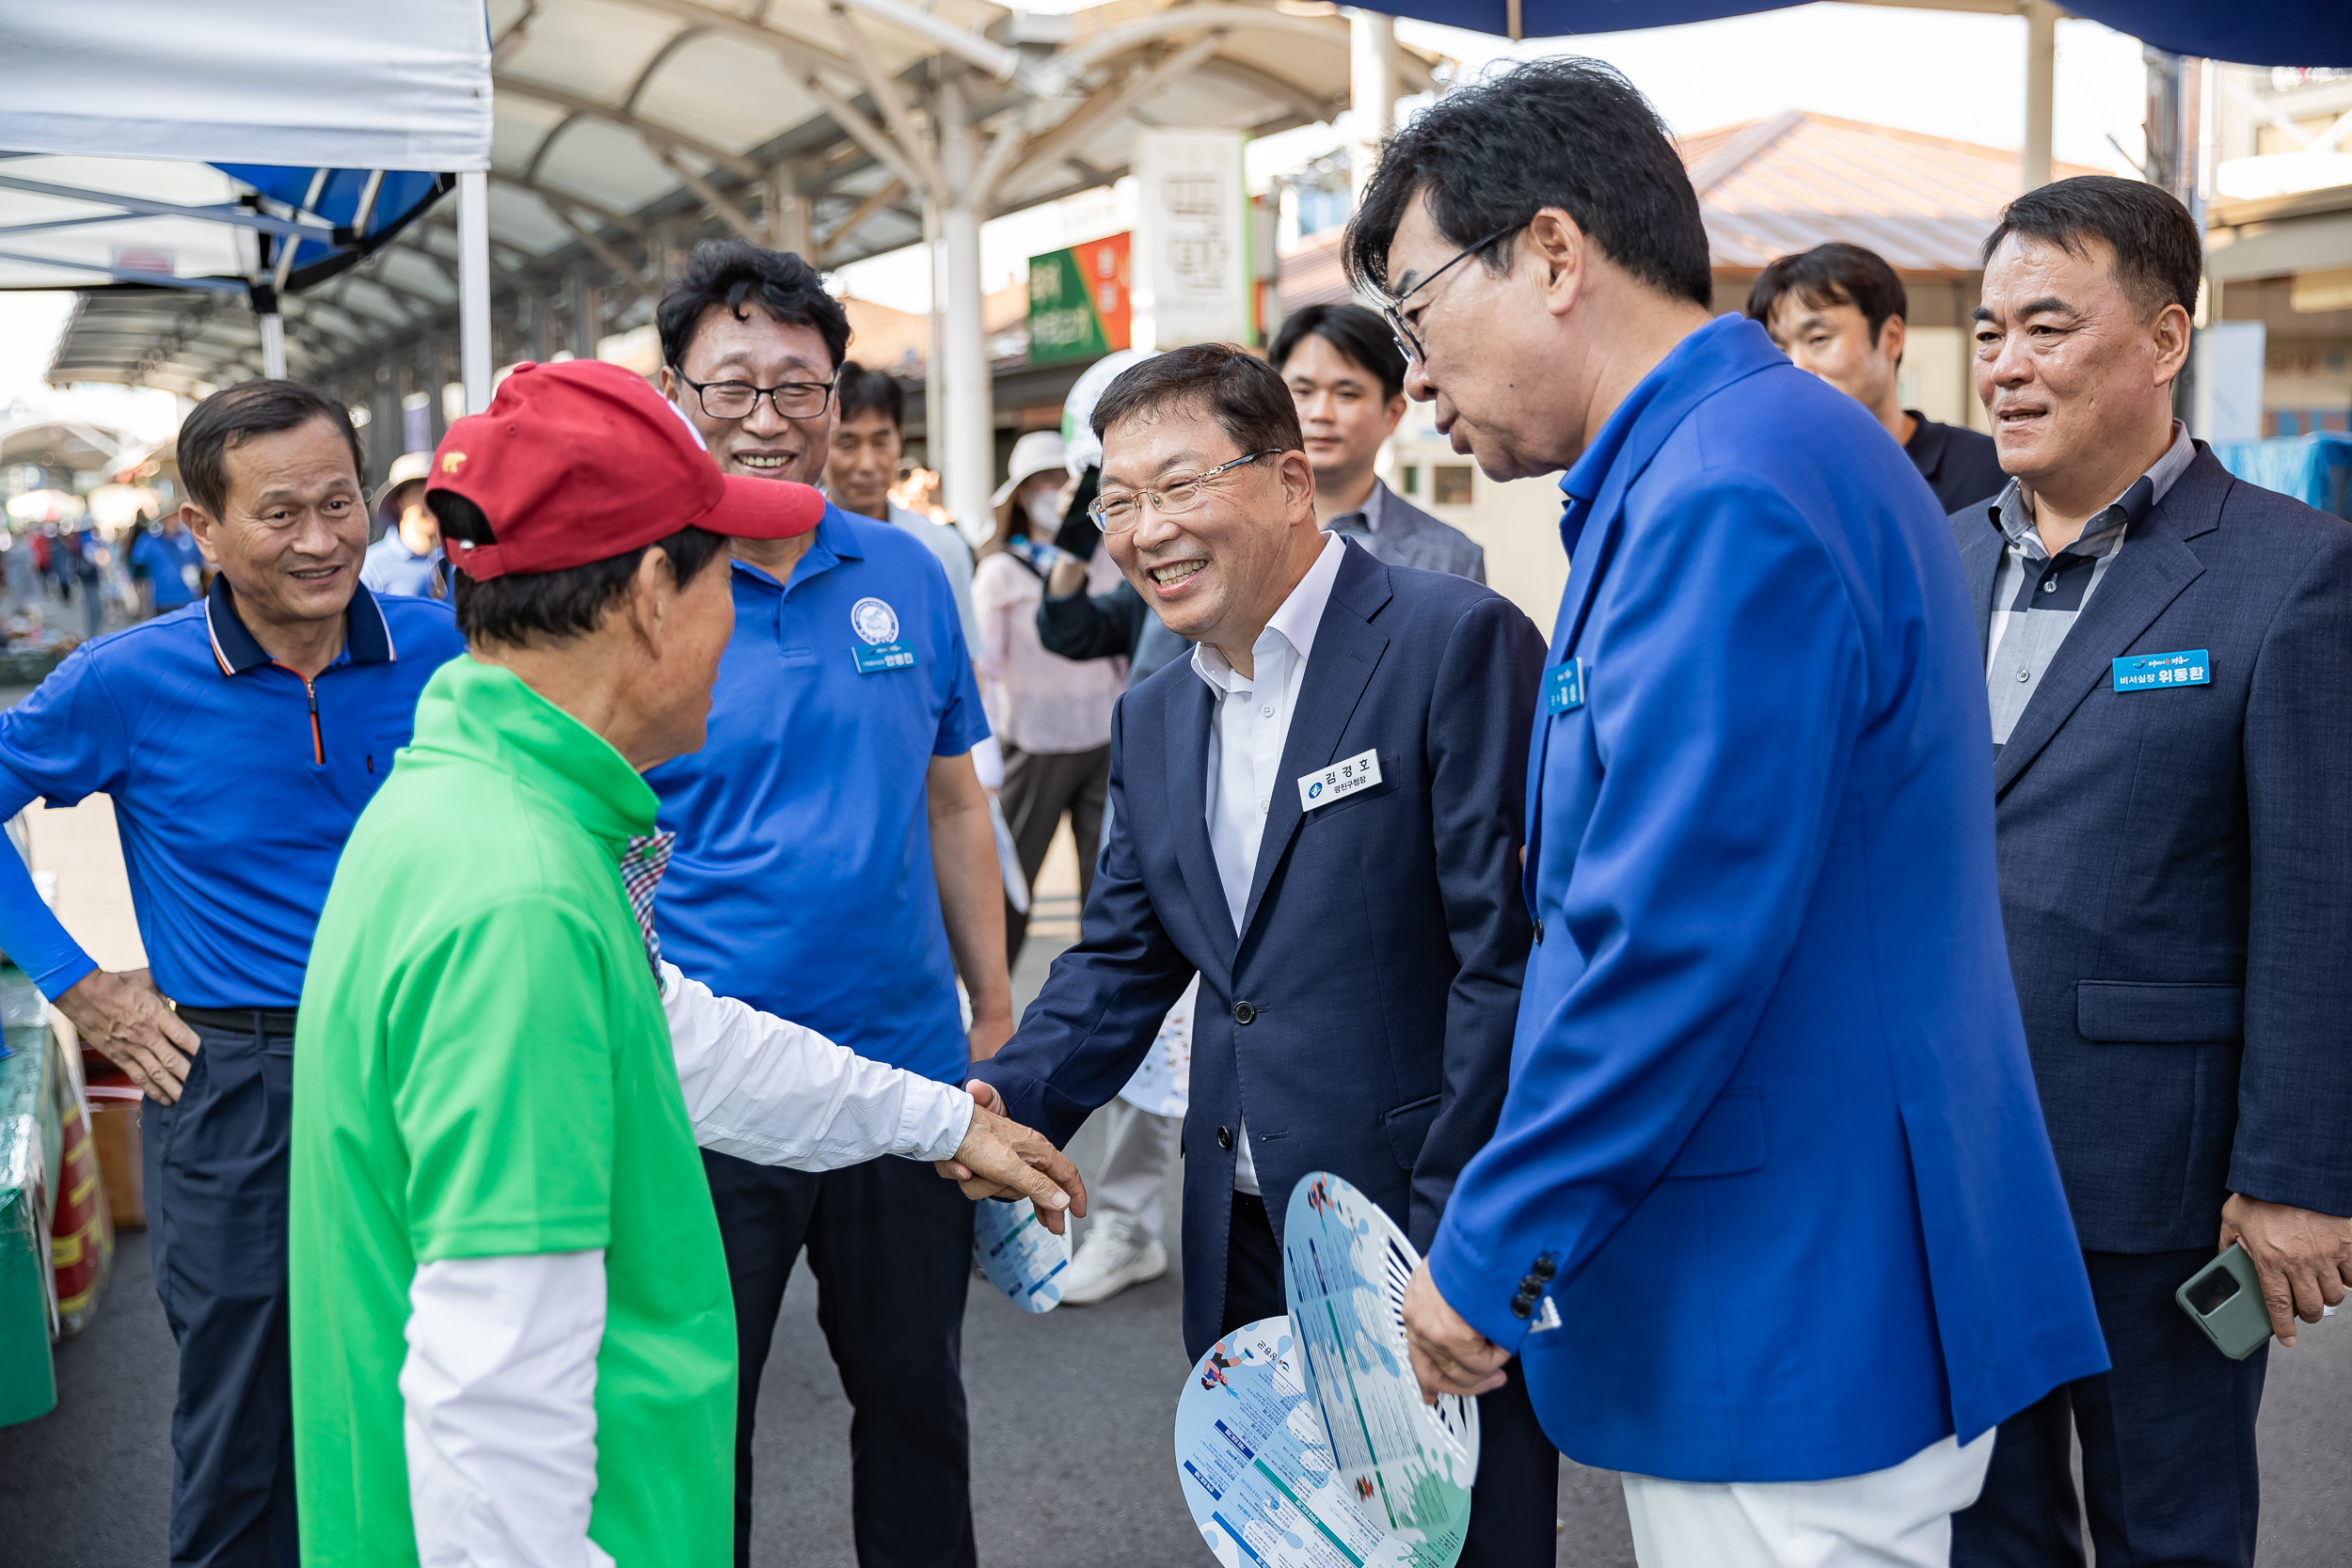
(2169, 655)
(1348, 376)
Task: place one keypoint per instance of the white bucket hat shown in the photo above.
(1082, 448)
(1038, 452)
(409, 468)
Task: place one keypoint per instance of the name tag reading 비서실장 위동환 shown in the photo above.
(2153, 672)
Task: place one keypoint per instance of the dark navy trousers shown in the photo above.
(2169, 1475)
(891, 1246)
(1514, 1505)
(216, 1169)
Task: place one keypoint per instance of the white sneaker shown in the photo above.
(1114, 1255)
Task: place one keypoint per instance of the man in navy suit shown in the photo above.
(2168, 656)
(1770, 1218)
(1359, 953)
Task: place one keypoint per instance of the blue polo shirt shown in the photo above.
(234, 783)
(802, 881)
(391, 568)
(164, 557)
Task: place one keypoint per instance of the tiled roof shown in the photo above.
(1795, 181)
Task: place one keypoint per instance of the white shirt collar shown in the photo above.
(1295, 621)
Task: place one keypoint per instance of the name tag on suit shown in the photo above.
(2155, 671)
(1563, 687)
(1339, 781)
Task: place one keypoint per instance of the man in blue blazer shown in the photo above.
(2168, 656)
(1359, 947)
(1769, 1201)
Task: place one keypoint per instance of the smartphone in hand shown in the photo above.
(2225, 1299)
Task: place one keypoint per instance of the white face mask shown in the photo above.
(1044, 510)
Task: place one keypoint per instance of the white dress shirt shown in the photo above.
(499, 1388)
(1245, 741)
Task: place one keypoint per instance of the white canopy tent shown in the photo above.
(143, 141)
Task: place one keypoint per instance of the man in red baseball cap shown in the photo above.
(513, 1338)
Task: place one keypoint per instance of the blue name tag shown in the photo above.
(2150, 672)
(1563, 687)
(883, 655)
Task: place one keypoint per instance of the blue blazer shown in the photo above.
(1363, 1020)
(1772, 1147)
(2176, 867)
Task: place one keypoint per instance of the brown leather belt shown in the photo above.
(243, 1020)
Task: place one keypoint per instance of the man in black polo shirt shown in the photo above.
(1838, 311)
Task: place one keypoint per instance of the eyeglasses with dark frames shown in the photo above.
(1408, 340)
(1118, 510)
(738, 399)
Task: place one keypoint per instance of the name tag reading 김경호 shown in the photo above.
(2152, 672)
(1563, 687)
(885, 655)
(1339, 781)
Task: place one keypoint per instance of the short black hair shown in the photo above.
(1566, 133)
(1361, 336)
(1833, 273)
(2159, 255)
(735, 272)
(861, 390)
(1242, 392)
(523, 608)
(234, 415)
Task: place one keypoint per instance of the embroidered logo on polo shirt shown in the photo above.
(874, 622)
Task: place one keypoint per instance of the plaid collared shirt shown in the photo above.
(641, 868)
(2037, 596)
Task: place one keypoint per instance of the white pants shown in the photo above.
(1138, 1151)
(1896, 1518)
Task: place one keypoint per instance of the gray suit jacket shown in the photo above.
(2176, 868)
(1405, 535)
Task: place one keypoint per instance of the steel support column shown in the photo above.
(966, 423)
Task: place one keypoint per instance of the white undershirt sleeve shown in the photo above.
(500, 1396)
(762, 1089)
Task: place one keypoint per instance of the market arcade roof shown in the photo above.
(626, 130)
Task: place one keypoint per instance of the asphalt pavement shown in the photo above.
(1073, 1463)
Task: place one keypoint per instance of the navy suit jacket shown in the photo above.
(1772, 1147)
(1362, 1018)
(2176, 867)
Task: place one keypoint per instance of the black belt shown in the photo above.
(242, 1021)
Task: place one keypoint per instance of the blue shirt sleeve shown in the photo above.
(65, 741)
(964, 723)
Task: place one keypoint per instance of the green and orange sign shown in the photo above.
(1078, 305)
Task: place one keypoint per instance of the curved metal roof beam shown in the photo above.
(1078, 59)
(679, 40)
(547, 145)
(549, 195)
(648, 129)
(799, 53)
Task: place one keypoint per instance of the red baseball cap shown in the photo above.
(584, 461)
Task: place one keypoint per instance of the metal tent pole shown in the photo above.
(473, 287)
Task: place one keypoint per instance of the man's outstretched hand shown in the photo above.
(1448, 1355)
(125, 1019)
(1000, 1158)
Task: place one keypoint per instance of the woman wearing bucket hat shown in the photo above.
(1052, 715)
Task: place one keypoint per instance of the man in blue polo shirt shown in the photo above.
(239, 737)
(836, 865)
(167, 557)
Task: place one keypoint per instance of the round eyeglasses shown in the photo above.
(1117, 511)
(735, 399)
